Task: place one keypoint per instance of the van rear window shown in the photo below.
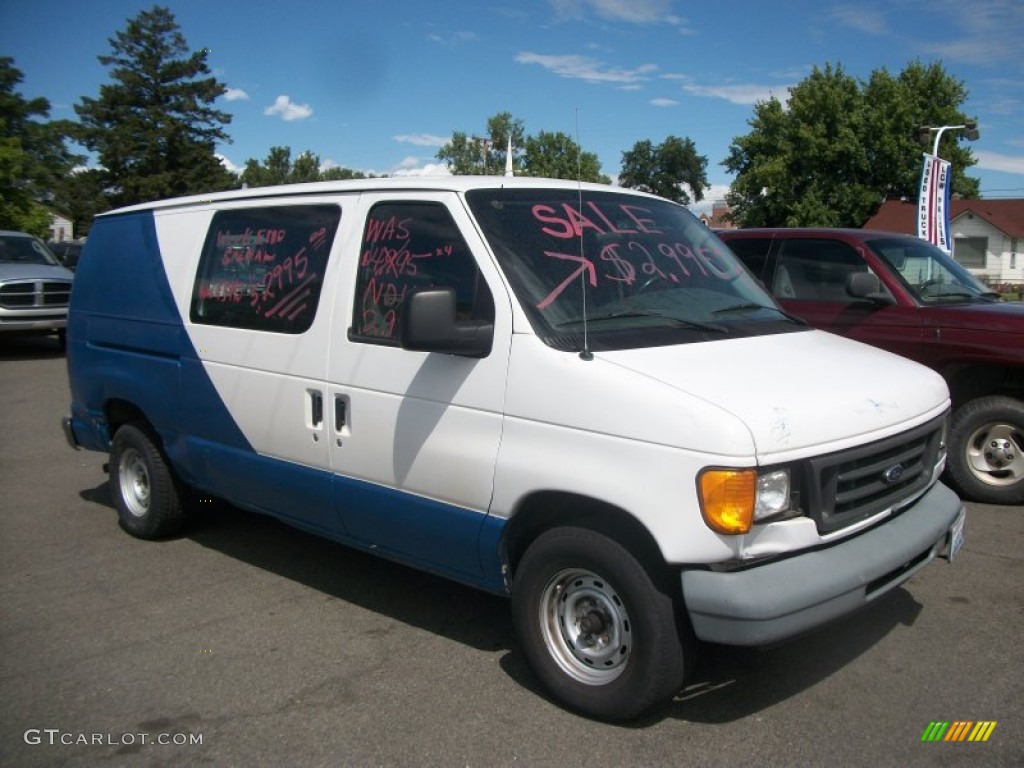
(262, 268)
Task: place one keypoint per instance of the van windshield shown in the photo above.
(630, 271)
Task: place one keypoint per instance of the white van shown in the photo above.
(571, 394)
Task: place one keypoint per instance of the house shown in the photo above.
(988, 235)
(61, 228)
(717, 218)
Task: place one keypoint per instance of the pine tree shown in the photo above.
(154, 127)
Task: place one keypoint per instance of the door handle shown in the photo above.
(316, 403)
(340, 412)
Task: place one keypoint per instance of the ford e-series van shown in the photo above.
(571, 394)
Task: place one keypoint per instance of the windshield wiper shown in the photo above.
(961, 294)
(626, 313)
(743, 307)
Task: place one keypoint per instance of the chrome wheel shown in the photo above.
(585, 626)
(133, 482)
(995, 454)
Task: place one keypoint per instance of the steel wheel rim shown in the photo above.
(133, 476)
(585, 626)
(995, 454)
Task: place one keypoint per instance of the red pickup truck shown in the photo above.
(902, 294)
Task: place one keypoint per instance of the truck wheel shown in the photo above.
(602, 638)
(986, 450)
(146, 494)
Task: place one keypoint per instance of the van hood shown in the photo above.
(798, 390)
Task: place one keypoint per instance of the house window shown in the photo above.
(971, 251)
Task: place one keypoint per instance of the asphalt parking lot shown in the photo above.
(248, 643)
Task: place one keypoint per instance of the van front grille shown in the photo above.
(849, 486)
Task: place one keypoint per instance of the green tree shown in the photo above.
(897, 108)
(558, 156)
(154, 128)
(306, 167)
(33, 156)
(480, 155)
(278, 168)
(337, 173)
(843, 146)
(666, 169)
(275, 169)
(81, 195)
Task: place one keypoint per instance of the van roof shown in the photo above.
(389, 184)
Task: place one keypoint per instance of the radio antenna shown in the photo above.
(585, 353)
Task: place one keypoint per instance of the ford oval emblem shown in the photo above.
(892, 474)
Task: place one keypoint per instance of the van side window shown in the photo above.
(407, 246)
(263, 268)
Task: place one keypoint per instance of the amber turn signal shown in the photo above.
(727, 499)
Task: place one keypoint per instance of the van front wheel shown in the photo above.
(145, 492)
(602, 638)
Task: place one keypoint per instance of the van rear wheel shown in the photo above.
(600, 635)
(146, 494)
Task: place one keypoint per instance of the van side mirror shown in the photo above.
(428, 324)
(865, 285)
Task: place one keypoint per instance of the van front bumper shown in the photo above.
(783, 598)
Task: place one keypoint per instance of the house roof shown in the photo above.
(901, 216)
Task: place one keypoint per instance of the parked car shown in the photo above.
(67, 252)
(573, 395)
(34, 287)
(905, 295)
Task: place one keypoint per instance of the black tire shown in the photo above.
(986, 450)
(146, 493)
(600, 635)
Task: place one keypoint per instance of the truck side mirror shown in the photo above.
(865, 285)
(428, 324)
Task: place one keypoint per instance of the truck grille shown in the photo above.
(35, 293)
(849, 486)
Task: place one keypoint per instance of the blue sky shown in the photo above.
(379, 85)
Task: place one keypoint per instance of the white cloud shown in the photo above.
(288, 110)
(454, 38)
(236, 94)
(430, 169)
(984, 32)
(228, 164)
(629, 11)
(743, 95)
(995, 161)
(421, 139)
(870, 21)
(585, 68)
(664, 102)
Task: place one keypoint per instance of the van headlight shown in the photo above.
(732, 500)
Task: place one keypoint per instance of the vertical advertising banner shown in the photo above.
(933, 202)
